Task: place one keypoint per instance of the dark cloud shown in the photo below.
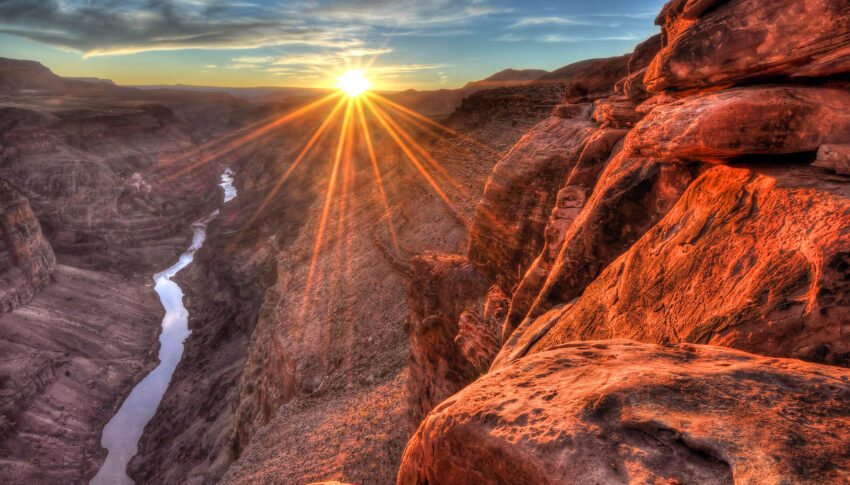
(111, 27)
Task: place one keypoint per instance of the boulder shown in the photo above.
(757, 260)
(616, 112)
(743, 121)
(569, 111)
(623, 412)
(709, 43)
(834, 157)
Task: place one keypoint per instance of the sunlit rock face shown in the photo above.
(717, 43)
(744, 259)
(707, 204)
(508, 226)
(615, 411)
(736, 122)
(27, 262)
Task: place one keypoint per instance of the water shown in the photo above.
(122, 433)
(227, 185)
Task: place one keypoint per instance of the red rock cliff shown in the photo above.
(703, 199)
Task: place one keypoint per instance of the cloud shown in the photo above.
(407, 13)
(510, 37)
(431, 33)
(103, 27)
(535, 21)
(304, 62)
(576, 38)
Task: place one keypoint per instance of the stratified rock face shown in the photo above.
(443, 286)
(69, 357)
(700, 212)
(623, 412)
(744, 260)
(744, 121)
(27, 262)
(631, 196)
(507, 231)
(719, 43)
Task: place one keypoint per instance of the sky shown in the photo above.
(420, 44)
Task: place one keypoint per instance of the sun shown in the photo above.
(354, 82)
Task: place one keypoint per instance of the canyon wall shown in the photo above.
(698, 203)
(27, 262)
(89, 172)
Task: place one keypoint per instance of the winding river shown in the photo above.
(122, 433)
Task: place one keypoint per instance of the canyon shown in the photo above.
(626, 270)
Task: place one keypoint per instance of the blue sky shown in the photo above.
(420, 44)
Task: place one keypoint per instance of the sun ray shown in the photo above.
(367, 136)
(412, 157)
(378, 98)
(301, 155)
(323, 220)
(253, 134)
(423, 152)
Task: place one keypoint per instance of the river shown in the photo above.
(122, 433)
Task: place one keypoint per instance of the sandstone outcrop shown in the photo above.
(744, 121)
(744, 260)
(629, 198)
(709, 205)
(722, 42)
(520, 193)
(27, 262)
(441, 289)
(616, 411)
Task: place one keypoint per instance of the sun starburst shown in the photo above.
(354, 82)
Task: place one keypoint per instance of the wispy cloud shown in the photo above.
(108, 27)
(536, 21)
(577, 38)
(510, 37)
(406, 13)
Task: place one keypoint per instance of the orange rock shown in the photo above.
(622, 412)
(631, 196)
(718, 43)
(443, 286)
(507, 231)
(742, 121)
(749, 260)
(570, 200)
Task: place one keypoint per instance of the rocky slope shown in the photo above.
(311, 352)
(27, 262)
(70, 355)
(95, 163)
(700, 197)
